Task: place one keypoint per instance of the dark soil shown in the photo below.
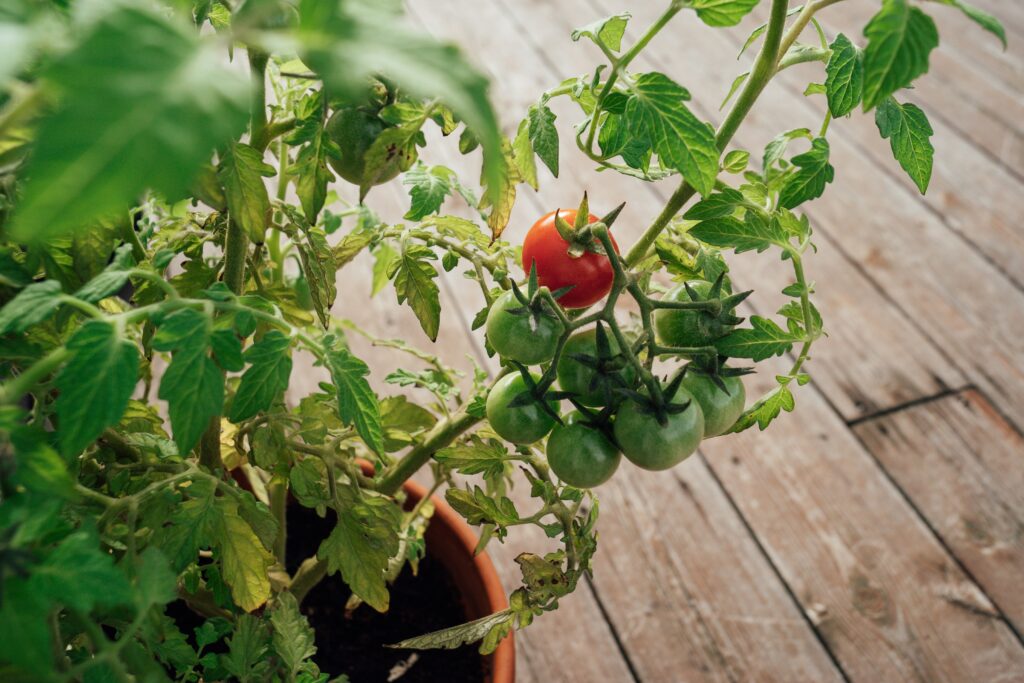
(354, 644)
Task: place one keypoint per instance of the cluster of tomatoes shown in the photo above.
(586, 446)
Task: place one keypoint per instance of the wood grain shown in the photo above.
(962, 465)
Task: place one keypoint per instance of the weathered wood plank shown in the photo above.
(889, 601)
(963, 467)
(949, 291)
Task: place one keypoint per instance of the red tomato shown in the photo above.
(590, 274)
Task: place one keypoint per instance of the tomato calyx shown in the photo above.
(660, 405)
(537, 393)
(718, 314)
(533, 302)
(580, 235)
(715, 371)
(607, 364)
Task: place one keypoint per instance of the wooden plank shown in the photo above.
(962, 465)
(724, 617)
(948, 291)
(889, 601)
(857, 379)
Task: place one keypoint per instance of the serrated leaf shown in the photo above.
(776, 148)
(31, 306)
(243, 559)
(428, 188)
(715, 205)
(753, 233)
(227, 349)
(544, 136)
(480, 508)
(760, 341)
(487, 458)
(293, 638)
(80, 574)
(909, 132)
(457, 636)
(844, 84)
(350, 246)
(192, 385)
(814, 172)
(267, 376)
(766, 409)
(241, 173)
(384, 258)
(95, 385)
(522, 155)
(144, 102)
(361, 546)
(980, 17)
(682, 141)
(320, 268)
(722, 12)
(415, 284)
(736, 161)
(311, 172)
(500, 193)
(357, 404)
(900, 38)
(607, 31)
(246, 659)
(393, 148)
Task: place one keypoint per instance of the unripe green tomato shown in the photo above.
(521, 338)
(520, 424)
(576, 377)
(354, 130)
(677, 327)
(648, 444)
(581, 456)
(721, 410)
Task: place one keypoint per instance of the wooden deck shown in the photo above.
(876, 534)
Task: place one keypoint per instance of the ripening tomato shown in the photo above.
(590, 275)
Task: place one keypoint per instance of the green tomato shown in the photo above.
(576, 377)
(648, 444)
(720, 409)
(581, 456)
(521, 337)
(677, 327)
(355, 130)
(520, 424)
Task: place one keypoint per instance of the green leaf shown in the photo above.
(243, 559)
(401, 420)
(95, 385)
(736, 161)
(736, 83)
(311, 172)
(31, 306)
(457, 636)
(308, 480)
(394, 147)
(346, 42)
(762, 340)
(844, 84)
(809, 181)
(715, 205)
(752, 233)
(682, 141)
(476, 457)
(544, 136)
(415, 283)
(900, 38)
(607, 31)
(428, 188)
(267, 376)
(908, 131)
(156, 584)
(320, 267)
(500, 192)
(776, 148)
(350, 246)
(383, 259)
(523, 156)
(247, 659)
(192, 385)
(80, 574)
(357, 404)
(293, 638)
(227, 349)
(478, 507)
(766, 409)
(241, 172)
(27, 645)
(143, 103)
(980, 17)
(722, 12)
(361, 545)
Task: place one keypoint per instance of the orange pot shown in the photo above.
(451, 541)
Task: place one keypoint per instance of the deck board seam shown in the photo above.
(906, 405)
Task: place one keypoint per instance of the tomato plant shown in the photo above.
(174, 232)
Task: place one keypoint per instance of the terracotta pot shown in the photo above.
(451, 541)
